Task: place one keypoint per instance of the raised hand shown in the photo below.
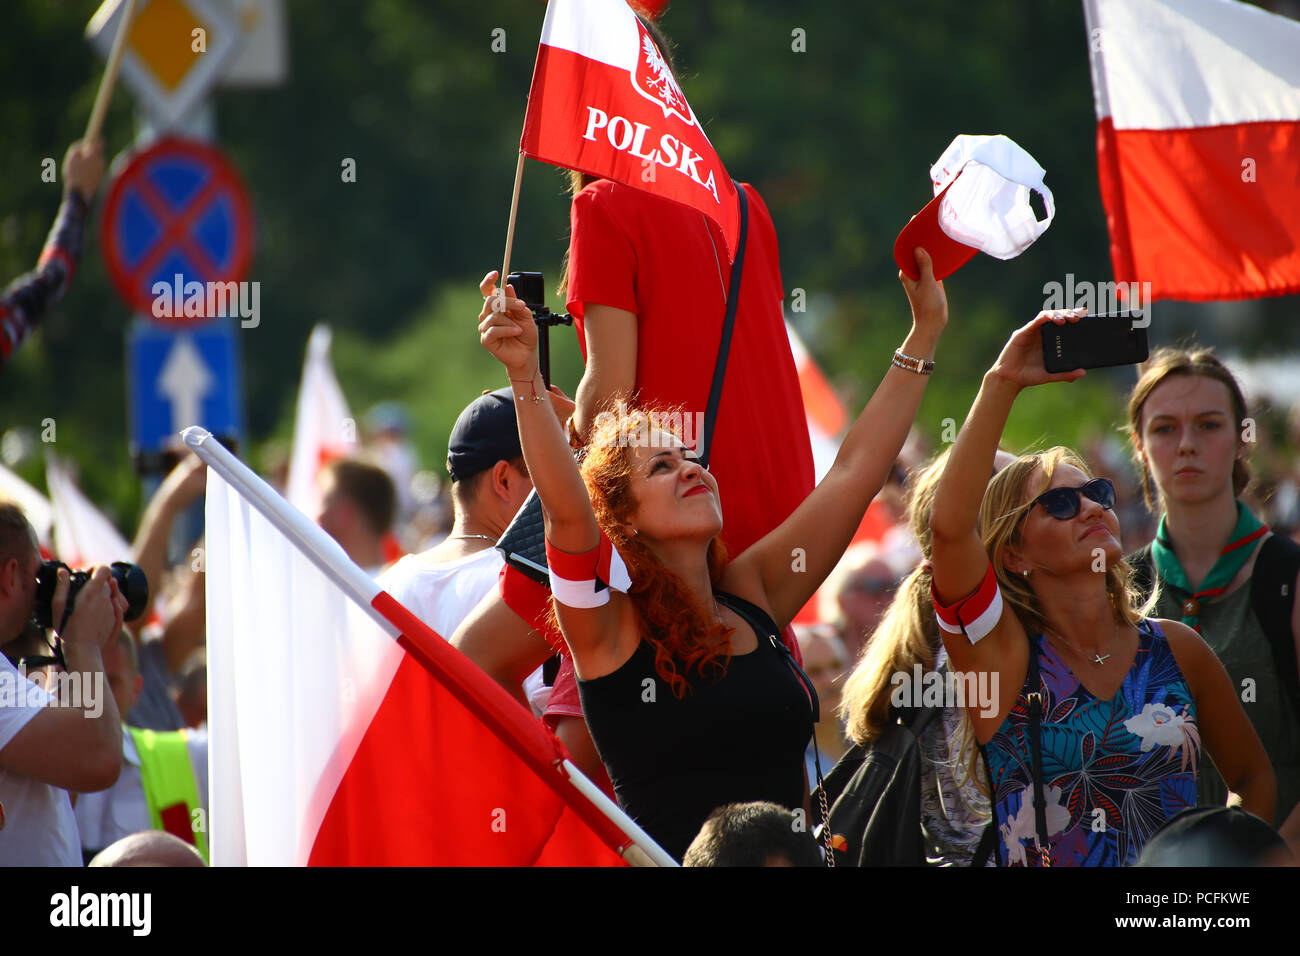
(929, 301)
(83, 168)
(506, 329)
(1021, 360)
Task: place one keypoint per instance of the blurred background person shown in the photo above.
(357, 509)
(855, 596)
(164, 779)
(825, 662)
(25, 300)
(1187, 416)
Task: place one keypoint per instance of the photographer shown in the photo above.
(46, 750)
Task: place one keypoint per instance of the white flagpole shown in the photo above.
(326, 553)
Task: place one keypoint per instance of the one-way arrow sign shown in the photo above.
(181, 378)
(184, 381)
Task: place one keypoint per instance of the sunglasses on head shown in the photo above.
(1064, 503)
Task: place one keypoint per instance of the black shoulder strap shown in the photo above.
(1035, 697)
(1144, 571)
(728, 323)
(988, 840)
(1272, 596)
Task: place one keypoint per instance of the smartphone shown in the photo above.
(530, 288)
(1095, 341)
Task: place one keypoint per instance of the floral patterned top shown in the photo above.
(1115, 769)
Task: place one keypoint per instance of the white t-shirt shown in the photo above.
(105, 817)
(442, 595)
(37, 827)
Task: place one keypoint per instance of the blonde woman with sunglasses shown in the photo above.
(1101, 714)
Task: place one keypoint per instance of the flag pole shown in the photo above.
(426, 646)
(510, 226)
(109, 80)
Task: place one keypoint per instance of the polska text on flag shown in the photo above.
(604, 100)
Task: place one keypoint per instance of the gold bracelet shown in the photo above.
(919, 366)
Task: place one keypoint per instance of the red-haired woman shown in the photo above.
(689, 695)
(1212, 556)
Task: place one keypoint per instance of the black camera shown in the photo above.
(130, 578)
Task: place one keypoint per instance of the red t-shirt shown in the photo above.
(668, 265)
(655, 258)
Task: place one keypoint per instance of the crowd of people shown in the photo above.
(1025, 667)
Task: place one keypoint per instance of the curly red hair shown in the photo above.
(684, 635)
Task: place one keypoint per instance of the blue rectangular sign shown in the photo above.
(182, 377)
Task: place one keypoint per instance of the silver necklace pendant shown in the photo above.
(1100, 659)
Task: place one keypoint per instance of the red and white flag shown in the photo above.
(83, 536)
(39, 511)
(323, 429)
(343, 731)
(827, 418)
(604, 101)
(1198, 145)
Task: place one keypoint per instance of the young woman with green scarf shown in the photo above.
(1187, 417)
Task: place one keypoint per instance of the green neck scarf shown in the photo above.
(1234, 554)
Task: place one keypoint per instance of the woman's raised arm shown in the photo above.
(959, 560)
(506, 329)
(793, 559)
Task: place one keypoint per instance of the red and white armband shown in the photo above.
(974, 615)
(585, 580)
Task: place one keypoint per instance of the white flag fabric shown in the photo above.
(323, 429)
(82, 535)
(294, 665)
(35, 505)
(344, 732)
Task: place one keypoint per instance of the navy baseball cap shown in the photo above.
(485, 433)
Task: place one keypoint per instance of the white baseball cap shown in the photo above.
(982, 187)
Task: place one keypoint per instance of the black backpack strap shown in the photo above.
(988, 840)
(1035, 698)
(1144, 572)
(1272, 596)
(728, 323)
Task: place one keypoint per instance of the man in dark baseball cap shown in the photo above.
(489, 482)
(484, 434)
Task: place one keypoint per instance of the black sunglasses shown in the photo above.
(1064, 503)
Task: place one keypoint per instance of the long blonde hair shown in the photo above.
(907, 636)
(907, 633)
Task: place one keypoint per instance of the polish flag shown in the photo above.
(323, 429)
(827, 421)
(1198, 145)
(82, 535)
(827, 418)
(343, 731)
(604, 101)
(39, 511)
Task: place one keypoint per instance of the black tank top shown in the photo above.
(731, 740)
